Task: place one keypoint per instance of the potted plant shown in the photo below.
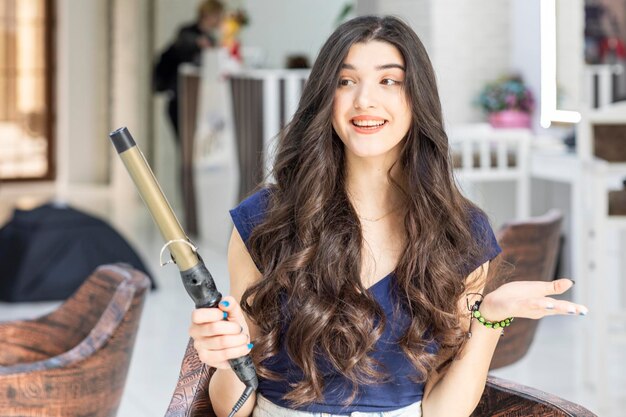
(507, 102)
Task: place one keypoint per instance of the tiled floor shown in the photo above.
(553, 364)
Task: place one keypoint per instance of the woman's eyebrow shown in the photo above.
(378, 68)
(389, 66)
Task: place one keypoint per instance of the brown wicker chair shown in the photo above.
(531, 247)
(501, 398)
(74, 361)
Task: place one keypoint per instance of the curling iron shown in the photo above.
(195, 276)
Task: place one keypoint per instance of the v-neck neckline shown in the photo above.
(377, 283)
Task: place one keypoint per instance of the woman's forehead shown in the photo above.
(373, 55)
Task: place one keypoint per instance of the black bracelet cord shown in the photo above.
(491, 324)
(475, 314)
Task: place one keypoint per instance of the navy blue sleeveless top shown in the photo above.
(397, 392)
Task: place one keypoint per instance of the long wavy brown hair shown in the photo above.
(308, 247)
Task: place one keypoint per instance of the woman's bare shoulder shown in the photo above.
(243, 272)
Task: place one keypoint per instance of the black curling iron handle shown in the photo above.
(245, 370)
(201, 288)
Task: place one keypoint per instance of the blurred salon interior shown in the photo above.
(534, 102)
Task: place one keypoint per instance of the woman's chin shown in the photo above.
(366, 153)
(371, 152)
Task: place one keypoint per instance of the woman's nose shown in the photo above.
(364, 97)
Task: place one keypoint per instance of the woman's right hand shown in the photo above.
(220, 334)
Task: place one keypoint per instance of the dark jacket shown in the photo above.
(184, 49)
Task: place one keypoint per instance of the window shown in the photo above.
(26, 46)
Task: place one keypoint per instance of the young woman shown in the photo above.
(355, 268)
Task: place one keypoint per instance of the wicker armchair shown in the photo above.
(73, 362)
(531, 247)
(501, 398)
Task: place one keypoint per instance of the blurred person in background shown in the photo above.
(187, 47)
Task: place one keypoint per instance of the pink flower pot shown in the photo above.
(509, 119)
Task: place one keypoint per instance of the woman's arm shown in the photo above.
(459, 390)
(224, 387)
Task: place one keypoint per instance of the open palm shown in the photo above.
(530, 299)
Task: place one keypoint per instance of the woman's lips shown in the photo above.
(368, 125)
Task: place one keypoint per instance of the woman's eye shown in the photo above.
(389, 81)
(345, 82)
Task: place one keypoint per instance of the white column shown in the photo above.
(599, 279)
(81, 95)
(62, 101)
(292, 95)
(522, 203)
(130, 67)
(271, 119)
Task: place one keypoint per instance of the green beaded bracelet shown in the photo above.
(491, 324)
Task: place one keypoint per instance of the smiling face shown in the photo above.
(371, 114)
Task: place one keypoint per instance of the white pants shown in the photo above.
(266, 408)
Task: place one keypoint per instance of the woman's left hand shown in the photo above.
(529, 299)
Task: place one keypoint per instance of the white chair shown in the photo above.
(484, 154)
(601, 145)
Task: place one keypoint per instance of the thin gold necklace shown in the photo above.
(378, 218)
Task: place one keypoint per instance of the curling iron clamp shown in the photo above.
(195, 276)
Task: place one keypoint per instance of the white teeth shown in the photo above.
(368, 123)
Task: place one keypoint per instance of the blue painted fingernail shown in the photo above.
(250, 345)
(225, 315)
(225, 303)
(583, 312)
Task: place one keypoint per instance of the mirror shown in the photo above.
(605, 50)
(561, 61)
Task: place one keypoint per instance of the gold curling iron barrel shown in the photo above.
(196, 277)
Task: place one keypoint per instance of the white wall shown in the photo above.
(169, 16)
(570, 28)
(470, 46)
(417, 13)
(526, 47)
(282, 27)
(81, 92)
